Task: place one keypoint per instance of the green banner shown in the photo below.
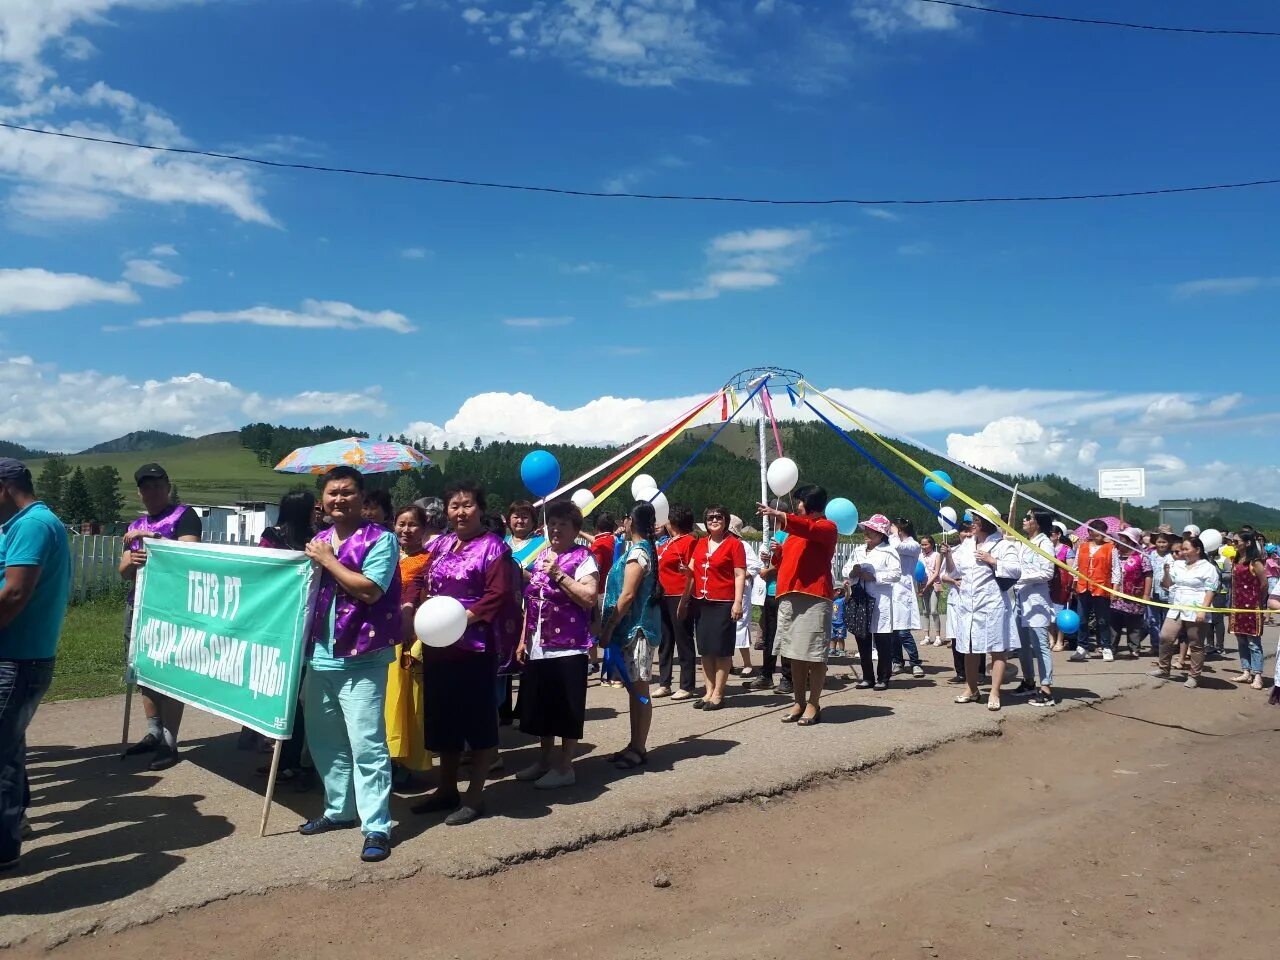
(223, 628)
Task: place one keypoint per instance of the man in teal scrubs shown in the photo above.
(35, 578)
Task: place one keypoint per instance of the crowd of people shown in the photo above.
(550, 604)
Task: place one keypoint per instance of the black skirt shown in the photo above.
(713, 627)
(553, 697)
(460, 703)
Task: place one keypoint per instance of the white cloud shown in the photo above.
(537, 323)
(31, 289)
(646, 43)
(313, 314)
(45, 407)
(151, 273)
(415, 253)
(880, 213)
(1226, 286)
(1176, 407)
(61, 179)
(746, 260)
(887, 18)
(32, 202)
(1022, 445)
(164, 250)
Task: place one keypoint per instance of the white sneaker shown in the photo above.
(1079, 656)
(1191, 683)
(553, 780)
(1108, 655)
(535, 771)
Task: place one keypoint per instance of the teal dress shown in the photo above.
(644, 617)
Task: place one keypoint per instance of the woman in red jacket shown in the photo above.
(713, 594)
(805, 588)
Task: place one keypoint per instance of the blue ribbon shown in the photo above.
(933, 508)
(712, 439)
(616, 663)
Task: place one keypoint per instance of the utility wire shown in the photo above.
(1104, 23)
(569, 192)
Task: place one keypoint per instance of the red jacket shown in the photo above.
(713, 579)
(671, 555)
(602, 548)
(806, 562)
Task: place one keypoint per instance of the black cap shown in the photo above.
(149, 471)
(11, 469)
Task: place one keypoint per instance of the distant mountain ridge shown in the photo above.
(138, 441)
(19, 452)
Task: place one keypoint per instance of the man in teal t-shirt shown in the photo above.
(35, 577)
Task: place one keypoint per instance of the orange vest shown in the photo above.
(1094, 563)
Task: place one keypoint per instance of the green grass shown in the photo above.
(213, 469)
(91, 652)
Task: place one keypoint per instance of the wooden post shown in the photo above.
(128, 706)
(271, 788)
(1122, 503)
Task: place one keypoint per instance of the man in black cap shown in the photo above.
(35, 578)
(166, 521)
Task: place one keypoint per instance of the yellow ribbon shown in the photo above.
(1008, 530)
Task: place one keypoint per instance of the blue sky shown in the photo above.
(148, 291)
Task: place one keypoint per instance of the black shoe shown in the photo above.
(1024, 688)
(148, 744)
(165, 758)
(760, 683)
(880, 686)
(437, 803)
(863, 685)
(464, 815)
(323, 825)
(785, 687)
(377, 847)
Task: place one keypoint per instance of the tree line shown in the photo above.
(79, 495)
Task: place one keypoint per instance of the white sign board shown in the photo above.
(1122, 483)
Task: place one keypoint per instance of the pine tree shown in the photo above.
(51, 485)
(405, 490)
(104, 493)
(477, 446)
(77, 505)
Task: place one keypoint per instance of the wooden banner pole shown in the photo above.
(271, 788)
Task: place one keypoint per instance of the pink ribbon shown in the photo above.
(768, 408)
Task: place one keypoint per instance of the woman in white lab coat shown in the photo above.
(906, 612)
(880, 572)
(989, 565)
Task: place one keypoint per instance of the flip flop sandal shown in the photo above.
(810, 721)
(625, 761)
(792, 717)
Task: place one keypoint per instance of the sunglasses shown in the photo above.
(713, 516)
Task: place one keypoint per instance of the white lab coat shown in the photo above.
(989, 618)
(855, 561)
(906, 611)
(1034, 607)
(754, 567)
(883, 562)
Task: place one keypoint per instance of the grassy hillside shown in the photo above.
(139, 440)
(212, 469)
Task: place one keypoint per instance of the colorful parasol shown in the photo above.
(367, 456)
(1114, 526)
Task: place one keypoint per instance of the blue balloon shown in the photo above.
(1068, 621)
(540, 472)
(935, 492)
(779, 536)
(921, 573)
(843, 514)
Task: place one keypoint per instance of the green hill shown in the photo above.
(139, 440)
(1229, 514)
(19, 452)
(212, 469)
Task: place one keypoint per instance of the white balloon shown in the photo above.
(440, 622)
(1212, 540)
(948, 515)
(641, 484)
(783, 475)
(583, 498)
(661, 509)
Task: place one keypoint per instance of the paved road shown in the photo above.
(116, 845)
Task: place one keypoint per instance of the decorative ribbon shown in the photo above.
(711, 439)
(768, 408)
(1010, 532)
(615, 662)
(633, 469)
(652, 442)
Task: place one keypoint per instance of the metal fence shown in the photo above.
(95, 563)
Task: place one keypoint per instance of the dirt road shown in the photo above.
(1138, 828)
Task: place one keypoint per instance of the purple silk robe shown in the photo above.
(565, 625)
(358, 627)
(463, 574)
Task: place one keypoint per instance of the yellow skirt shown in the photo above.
(404, 715)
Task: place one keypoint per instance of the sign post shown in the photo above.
(224, 629)
(1122, 483)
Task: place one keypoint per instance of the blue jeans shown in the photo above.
(22, 685)
(903, 641)
(1099, 610)
(1250, 653)
(1035, 646)
(347, 736)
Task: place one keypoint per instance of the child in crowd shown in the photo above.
(839, 632)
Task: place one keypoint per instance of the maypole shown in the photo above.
(779, 379)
